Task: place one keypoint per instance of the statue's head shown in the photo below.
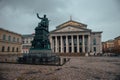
(44, 16)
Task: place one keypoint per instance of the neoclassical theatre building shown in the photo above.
(74, 37)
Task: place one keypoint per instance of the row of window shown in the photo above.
(25, 51)
(27, 41)
(10, 38)
(9, 48)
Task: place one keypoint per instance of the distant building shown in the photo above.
(10, 42)
(74, 37)
(26, 42)
(111, 46)
(108, 46)
(117, 45)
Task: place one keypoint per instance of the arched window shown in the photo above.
(13, 39)
(13, 49)
(17, 39)
(8, 49)
(4, 37)
(9, 38)
(3, 49)
(94, 41)
(16, 49)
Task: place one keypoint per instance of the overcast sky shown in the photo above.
(100, 15)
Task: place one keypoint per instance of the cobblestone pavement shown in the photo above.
(78, 68)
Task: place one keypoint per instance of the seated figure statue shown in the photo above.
(44, 21)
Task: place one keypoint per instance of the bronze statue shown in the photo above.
(41, 40)
(44, 21)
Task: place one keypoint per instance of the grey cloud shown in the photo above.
(33, 5)
(20, 15)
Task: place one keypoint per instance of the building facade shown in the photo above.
(108, 46)
(112, 46)
(117, 45)
(10, 42)
(74, 37)
(26, 42)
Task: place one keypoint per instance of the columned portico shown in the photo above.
(73, 37)
(69, 46)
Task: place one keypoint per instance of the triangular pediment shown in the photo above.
(70, 29)
(71, 26)
(72, 23)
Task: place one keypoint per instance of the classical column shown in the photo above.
(88, 43)
(72, 42)
(56, 44)
(83, 44)
(78, 47)
(67, 44)
(51, 42)
(61, 44)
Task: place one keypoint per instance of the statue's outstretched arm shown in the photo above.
(38, 16)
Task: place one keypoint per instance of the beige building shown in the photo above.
(112, 46)
(117, 45)
(26, 42)
(108, 46)
(74, 37)
(10, 42)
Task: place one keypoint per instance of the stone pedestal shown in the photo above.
(40, 51)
